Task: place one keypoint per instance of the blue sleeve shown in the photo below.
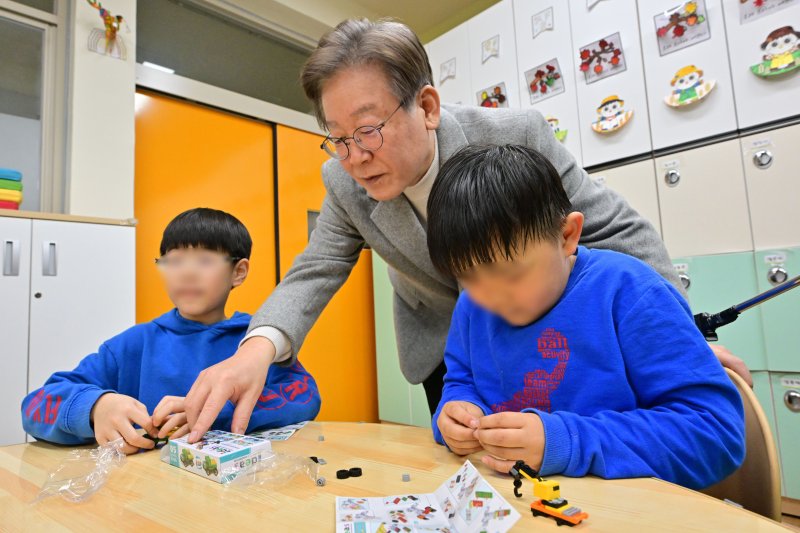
(689, 424)
(290, 396)
(459, 384)
(59, 411)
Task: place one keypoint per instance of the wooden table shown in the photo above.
(146, 495)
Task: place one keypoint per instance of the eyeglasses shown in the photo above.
(367, 138)
(202, 263)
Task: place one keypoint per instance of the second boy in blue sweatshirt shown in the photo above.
(139, 377)
(576, 361)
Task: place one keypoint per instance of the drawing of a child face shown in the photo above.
(782, 45)
(685, 82)
(611, 109)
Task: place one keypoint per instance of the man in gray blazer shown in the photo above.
(371, 87)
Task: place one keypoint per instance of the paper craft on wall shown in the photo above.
(542, 21)
(490, 48)
(781, 51)
(750, 10)
(688, 87)
(682, 26)
(612, 115)
(107, 41)
(561, 135)
(544, 81)
(494, 96)
(447, 70)
(602, 58)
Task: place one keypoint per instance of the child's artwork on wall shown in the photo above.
(493, 96)
(542, 21)
(682, 26)
(544, 81)
(781, 53)
(688, 87)
(490, 48)
(611, 115)
(447, 70)
(603, 58)
(750, 10)
(107, 41)
(560, 135)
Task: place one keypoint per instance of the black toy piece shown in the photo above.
(355, 472)
(342, 474)
(708, 323)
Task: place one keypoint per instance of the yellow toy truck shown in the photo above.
(550, 502)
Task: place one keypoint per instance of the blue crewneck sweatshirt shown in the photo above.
(624, 383)
(157, 359)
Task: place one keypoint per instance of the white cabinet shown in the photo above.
(74, 290)
(637, 184)
(689, 88)
(616, 23)
(15, 239)
(493, 56)
(545, 68)
(771, 163)
(703, 201)
(760, 99)
(449, 59)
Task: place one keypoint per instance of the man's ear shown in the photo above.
(429, 102)
(571, 232)
(240, 270)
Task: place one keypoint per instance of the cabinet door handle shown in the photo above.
(686, 281)
(792, 400)
(763, 159)
(777, 275)
(49, 261)
(672, 177)
(11, 257)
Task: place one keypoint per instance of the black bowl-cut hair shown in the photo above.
(210, 229)
(488, 202)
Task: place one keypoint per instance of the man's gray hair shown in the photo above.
(389, 44)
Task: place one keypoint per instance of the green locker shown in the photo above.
(398, 400)
(781, 315)
(786, 395)
(716, 282)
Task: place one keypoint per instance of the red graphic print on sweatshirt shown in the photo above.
(540, 383)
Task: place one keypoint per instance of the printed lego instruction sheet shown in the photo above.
(465, 503)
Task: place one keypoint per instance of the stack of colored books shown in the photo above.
(10, 188)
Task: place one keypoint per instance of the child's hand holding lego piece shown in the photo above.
(169, 417)
(509, 437)
(457, 422)
(113, 416)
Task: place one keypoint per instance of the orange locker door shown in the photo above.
(191, 156)
(340, 349)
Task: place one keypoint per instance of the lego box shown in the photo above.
(216, 453)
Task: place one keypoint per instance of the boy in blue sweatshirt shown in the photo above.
(139, 378)
(576, 361)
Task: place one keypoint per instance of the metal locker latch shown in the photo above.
(792, 400)
(777, 275)
(685, 280)
(672, 177)
(762, 159)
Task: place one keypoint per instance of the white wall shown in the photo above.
(100, 151)
(21, 150)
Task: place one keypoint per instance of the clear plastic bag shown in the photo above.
(272, 470)
(83, 472)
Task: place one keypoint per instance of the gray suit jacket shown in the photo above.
(423, 298)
